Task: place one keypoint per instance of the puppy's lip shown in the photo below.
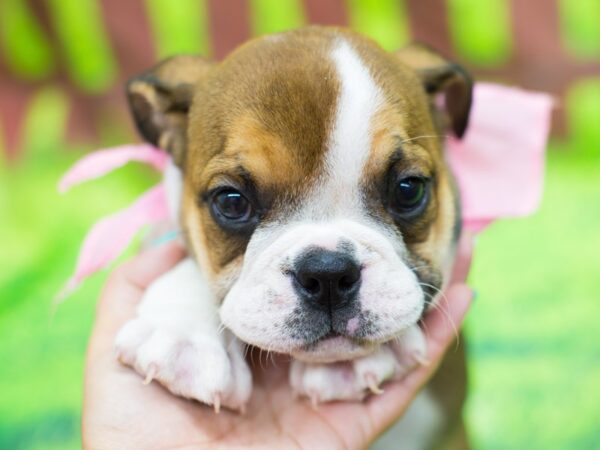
(331, 348)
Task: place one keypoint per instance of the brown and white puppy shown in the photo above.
(317, 208)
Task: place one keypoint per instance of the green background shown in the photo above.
(532, 332)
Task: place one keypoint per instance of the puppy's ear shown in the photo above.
(160, 99)
(440, 76)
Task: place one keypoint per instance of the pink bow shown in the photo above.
(111, 235)
(498, 164)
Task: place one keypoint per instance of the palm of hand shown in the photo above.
(147, 416)
(121, 412)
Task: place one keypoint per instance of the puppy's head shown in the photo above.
(316, 198)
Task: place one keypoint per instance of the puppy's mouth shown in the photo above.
(333, 347)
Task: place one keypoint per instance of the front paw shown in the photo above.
(354, 380)
(193, 365)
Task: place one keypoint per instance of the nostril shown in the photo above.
(347, 282)
(312, 285)
(350, 278)
(327, 279)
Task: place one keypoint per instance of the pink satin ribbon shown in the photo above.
(498, 165)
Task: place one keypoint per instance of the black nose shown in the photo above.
(327, 279)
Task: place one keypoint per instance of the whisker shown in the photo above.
(252, 358)
(425, 329)
(424, 136)
(424, 266)
(260, 363)
(221, 328)
(440, 307)
(273, 359)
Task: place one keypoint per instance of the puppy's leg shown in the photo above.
(176, 340)
(353, 380)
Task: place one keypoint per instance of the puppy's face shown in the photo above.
(316, 198)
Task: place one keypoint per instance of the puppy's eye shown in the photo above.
(231, 205)
(409, 194)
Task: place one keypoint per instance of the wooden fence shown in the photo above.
(84, 50)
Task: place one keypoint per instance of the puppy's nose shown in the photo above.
(327, 279)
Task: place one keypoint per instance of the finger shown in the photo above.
(124, 290)
(443, 326)
(387, 409)
(464, 255)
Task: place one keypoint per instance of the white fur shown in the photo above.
(353, 380)
(173, 181)
(259, 302)
(175, 338)
(338, 194)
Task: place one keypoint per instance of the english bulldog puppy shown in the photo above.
(320, 217)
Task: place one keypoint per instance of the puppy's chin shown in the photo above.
(332, 349)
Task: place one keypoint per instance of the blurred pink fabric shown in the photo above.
(499, 163)
(499, 167)
(102, 162)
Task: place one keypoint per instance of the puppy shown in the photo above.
(318, 211)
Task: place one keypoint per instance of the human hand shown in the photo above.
(120, 412)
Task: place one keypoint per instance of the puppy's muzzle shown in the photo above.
(326, 280)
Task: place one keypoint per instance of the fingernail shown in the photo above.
(164, 238)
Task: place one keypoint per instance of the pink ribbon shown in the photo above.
(102, 162)
(498, 165)
(111, 235)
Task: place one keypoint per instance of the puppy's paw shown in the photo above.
(410, 350)
(197, 366)
(325, 382)
(348, 380)
(354, 380)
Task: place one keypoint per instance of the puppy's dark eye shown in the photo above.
(231, 205)
(409, 194)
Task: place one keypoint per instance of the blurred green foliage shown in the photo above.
(272, 16)
(81, 33)
(179, 27)
(532, 332)
(581, 32)
(583, 107)
(535, 360)
(383, 20)
(25, 47)
(42, 346)
(481, 30)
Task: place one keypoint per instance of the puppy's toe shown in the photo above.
(196, 366)
(354, 380)
(325, 382)
(130, 338)
(374, 369)
(410, 349)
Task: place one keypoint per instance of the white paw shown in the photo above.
(410, 350)
(354, 380)
(197, 366)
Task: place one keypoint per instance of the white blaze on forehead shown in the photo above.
(350, 140)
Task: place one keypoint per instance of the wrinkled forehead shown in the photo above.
(287, 113)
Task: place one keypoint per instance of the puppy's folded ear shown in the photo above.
(160, 99)
(440, 76)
